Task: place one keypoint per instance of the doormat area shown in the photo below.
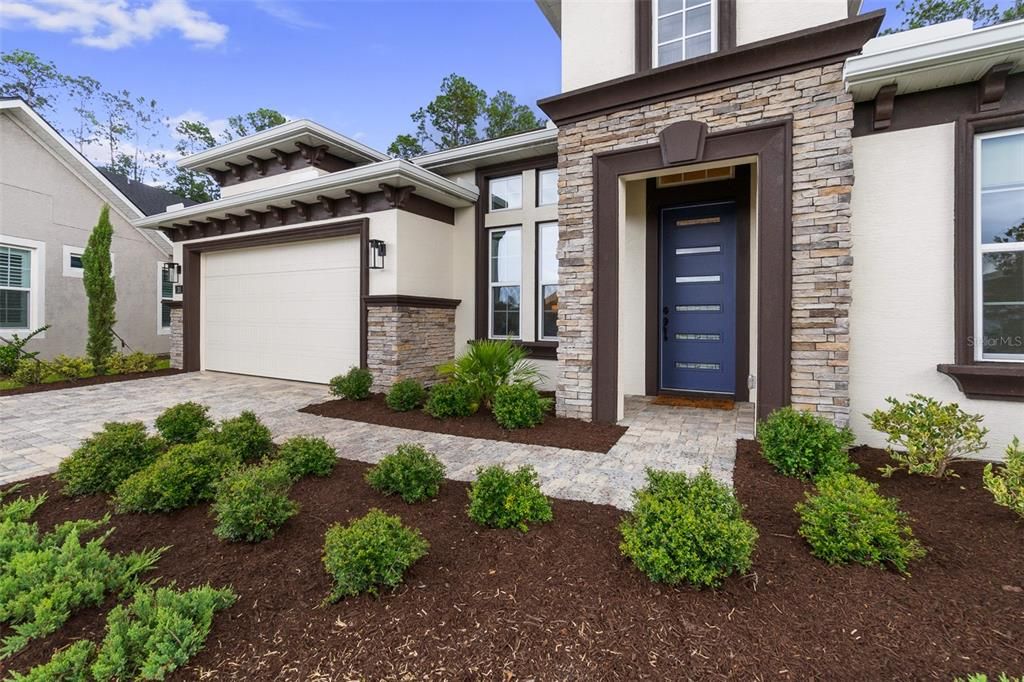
(703, 403)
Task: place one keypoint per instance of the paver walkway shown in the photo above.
(37, 430)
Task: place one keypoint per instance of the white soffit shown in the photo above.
(933, 57)
(365, 179)
(283, 137)
(490, 152)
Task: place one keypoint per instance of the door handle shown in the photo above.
(664, 326)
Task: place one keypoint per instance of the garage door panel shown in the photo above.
(288, 311)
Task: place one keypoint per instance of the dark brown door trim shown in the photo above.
(738, 190)
(192, 255)
(772, 144)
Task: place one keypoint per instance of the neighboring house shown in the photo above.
(50, 199)
(743, 199)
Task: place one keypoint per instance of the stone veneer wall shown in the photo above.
(405, 342)
(177, 347)
(822, 116)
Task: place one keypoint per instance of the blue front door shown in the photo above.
(698, 298)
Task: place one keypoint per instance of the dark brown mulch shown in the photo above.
(561, 603)
(88, 381)
(555, 431)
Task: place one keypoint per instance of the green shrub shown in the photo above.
(71, 368)
(304, 455)
(982, 677)
(70, 664)
(108, 457)
(687, 530)
(410, 472)
(451, 400)
(848, 521)
(1007, 482)
(182, 423)
(251, 504)
(245, 435)
(9, 357)
(519, 406)
(157, 632)
(499, 498)
(925, 436)
(43, 582)
(353, 385)
(30, 371)
(803, 444)
(19, 510)
(489, 364)
(182, 476)
(406, 395)
(119, 363)
(13, 349)
(371, 552)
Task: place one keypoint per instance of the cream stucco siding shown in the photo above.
(44, 200)
(279, 180)
(598, 42)
(633, 290)
(760, 19)
(901, 320)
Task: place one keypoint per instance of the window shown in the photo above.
(15, 287)
(547, 187)
(506, 193)
(999, 246)
(164, 294)
(547, 280)
(73, 265)
(505, 281)
(683, 29)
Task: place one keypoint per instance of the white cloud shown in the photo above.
(113, 24)
(287, 14)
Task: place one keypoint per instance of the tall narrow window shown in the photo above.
(683, 29)
(547, 187)
(547, 280)
(15, 288)
(165, 295)
(506, 268)
(506, 193)
(999, 252)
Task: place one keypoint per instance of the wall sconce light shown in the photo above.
(173, 272)
(377, 252)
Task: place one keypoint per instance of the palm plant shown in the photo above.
(490, 364)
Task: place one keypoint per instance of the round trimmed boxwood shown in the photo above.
(804, 445)
(519, 406)
(251, 504)
(372, 552)
(687, 530)
(303, 455)
(410, 472)
(353, 385)
(108, 457)
(182, 423)
(245, 435)
(182, 476)
(452, 399)
(405, 395)
(499, 498)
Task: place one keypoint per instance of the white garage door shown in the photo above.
(289, 311)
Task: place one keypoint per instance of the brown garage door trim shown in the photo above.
(193, 278)
(772, 144)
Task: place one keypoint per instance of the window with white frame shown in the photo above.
(164, 295)
(73, 265)
(547, 187)
(16, 288)
(999, 242)
(506, 273)
(683, 29)
(505, 193)
(547, 281)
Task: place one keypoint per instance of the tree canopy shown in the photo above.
(920, 13)
(455, 117)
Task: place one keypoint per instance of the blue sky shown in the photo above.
(358, 67)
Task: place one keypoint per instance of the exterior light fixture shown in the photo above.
(377, 252)
(172, 272)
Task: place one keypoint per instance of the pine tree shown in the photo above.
(99, 289)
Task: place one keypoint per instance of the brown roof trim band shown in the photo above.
(405, 301)
(825, 44)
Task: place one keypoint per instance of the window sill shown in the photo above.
(988, 381)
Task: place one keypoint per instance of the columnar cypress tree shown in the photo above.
(99, 288)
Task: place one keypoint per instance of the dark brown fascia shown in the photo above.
(281, 162)
(193, 279)
(942, 105)
(644, 30)
(302, 212)
(404, 301)
(981, 380)
(825, 44)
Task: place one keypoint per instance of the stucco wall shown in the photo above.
(760, 19)
(42, 199)
(901, 320)
(271, 181)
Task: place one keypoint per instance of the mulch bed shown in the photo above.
(88, 381)
(555, 431)
(561, 603)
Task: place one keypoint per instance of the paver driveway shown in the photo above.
(37, 430)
